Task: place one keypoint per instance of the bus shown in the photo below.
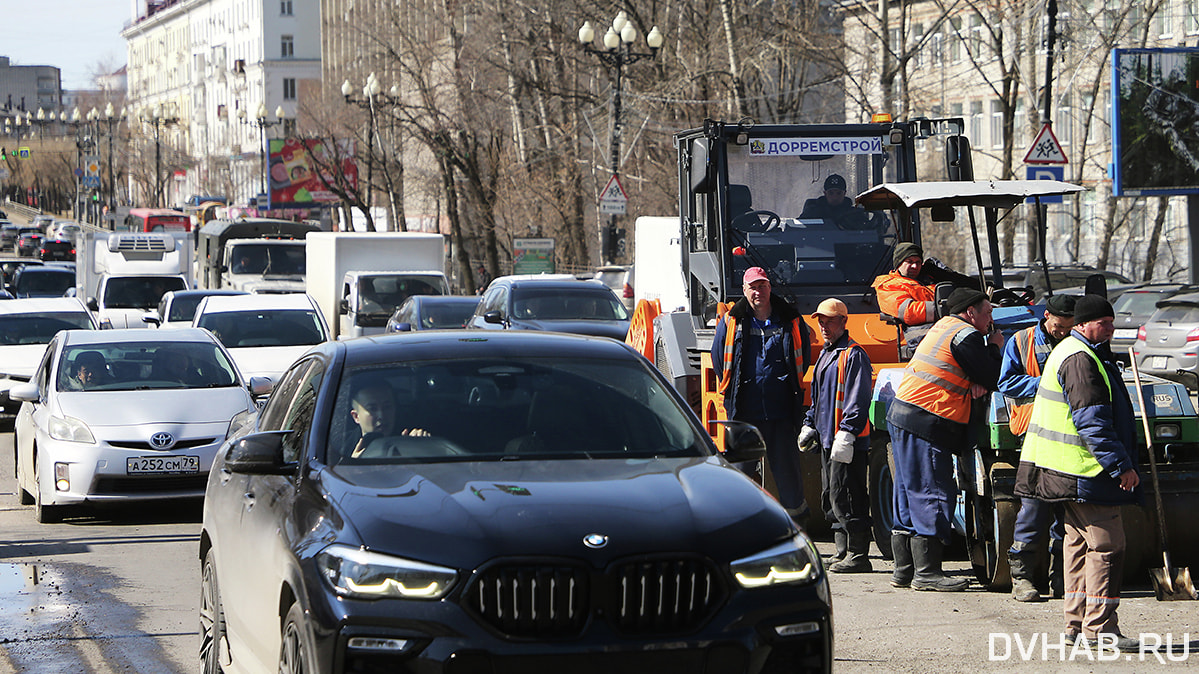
(157, 220)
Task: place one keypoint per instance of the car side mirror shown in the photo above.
(24, 393)
(343, 307)
(259, 454)
(223, 268)
(403, 327)
(493, 317)
(261, 386)
(93, 304)
(742, 442)
(151, 318)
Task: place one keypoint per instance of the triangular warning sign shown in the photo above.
(613, 191)
(1045, 149)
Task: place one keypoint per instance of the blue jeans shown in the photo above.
(1035, 517)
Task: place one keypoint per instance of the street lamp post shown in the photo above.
(372, 100)
(617, 53)
(158, 118)
(263, 123)
(111, 117)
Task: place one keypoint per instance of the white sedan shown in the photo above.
(265, 334)
(26, 327)
(117, 415)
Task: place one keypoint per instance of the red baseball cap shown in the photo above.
(755, 274)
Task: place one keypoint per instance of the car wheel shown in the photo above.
(45, 514)
(292, 657)
(212, 618)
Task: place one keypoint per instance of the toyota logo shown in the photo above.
(595, 541)
(162, 440)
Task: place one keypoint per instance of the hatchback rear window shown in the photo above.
(1177, 313)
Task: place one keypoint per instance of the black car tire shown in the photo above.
(293, 658)
(212, 618)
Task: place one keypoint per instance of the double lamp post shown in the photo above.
(263, 122)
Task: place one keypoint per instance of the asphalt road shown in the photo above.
(116, 591)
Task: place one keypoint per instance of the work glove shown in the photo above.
(809, 439)
(842, 450)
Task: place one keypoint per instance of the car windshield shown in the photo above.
(443, 315)
(507, 409)
(129, 366)
(257, 258)
(567, 304)
(44, 283)
(271, 327)
(139, 292)
(39, 328)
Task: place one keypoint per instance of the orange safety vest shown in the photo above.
(839, 409)
(730, 338)
(1020, 412)
(906, 299)
(934, 381)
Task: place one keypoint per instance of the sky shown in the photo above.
(74, 35)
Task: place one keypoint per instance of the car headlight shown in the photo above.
(354, 572)
(792, 562)
(70, 429)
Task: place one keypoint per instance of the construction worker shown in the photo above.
(837, 422)
(957, 362)
(1080, 452)
(760, 352)
(1024, 357)
(907, 292)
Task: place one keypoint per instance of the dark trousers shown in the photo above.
(782, 454)
(1094, 568)
(1034, 518)
(924, 486)
(843, 489)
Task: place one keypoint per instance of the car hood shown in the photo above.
(462, 514)
(613, 329)
(266, 361)
(127, 408)
(21, 360)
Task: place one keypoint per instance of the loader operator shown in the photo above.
(1080, 452)
(907, 293)
(957, 362)
(1024, 359)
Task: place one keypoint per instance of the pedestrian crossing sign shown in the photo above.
(1046, 149)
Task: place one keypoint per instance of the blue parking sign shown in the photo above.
(1045, 173)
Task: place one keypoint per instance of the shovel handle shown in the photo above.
(1157, 493)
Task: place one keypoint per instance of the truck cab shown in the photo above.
(215, 244)
(369, 298)
(264, 265)
(122, 275)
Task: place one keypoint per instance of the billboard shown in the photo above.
(294, 167)
(1155, 121)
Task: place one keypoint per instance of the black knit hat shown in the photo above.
(903, 251)
(1061, 305)
(1091, 307)
(963, 298)
(834, 182)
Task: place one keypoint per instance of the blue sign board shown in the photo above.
(90, 181)
(1045, 172)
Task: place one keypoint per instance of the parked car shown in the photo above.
(1168, 344)
(561, 304)
(122, 415)
(57, 249)
(563, 510)
(42, 281)
(264, 333)
(1059, 276)
(433, 312)
(28, 326)
(620, 280)
(1133, 309)
(28, 244)
(177, 309)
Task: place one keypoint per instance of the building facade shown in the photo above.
(27, 88)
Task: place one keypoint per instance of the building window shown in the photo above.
(289, 88)
(289, 47)
(997, 123)
(1063, 125)
(1192, 16)
(976, 121)
(956, 38)
(285, 7)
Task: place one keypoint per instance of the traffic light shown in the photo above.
(3, 154)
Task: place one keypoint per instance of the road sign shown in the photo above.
(90, 181)
(1045, 149)
(613, 199)
(91, 165)
(1045, 173)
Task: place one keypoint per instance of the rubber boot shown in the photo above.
(1022, 585)
(841, 540)
(858, 558)
(1057, 577)
(901, 551)
(927, 554)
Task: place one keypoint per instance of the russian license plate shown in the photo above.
(159, 465)
(1159, 362)
(1125, 333)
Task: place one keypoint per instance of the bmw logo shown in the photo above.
(162, 440)
(595, 541)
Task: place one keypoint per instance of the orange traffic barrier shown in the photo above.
(641, 327)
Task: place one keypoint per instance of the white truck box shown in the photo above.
(331, 255)
(122, 275)
(658, 259)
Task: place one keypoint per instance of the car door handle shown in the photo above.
(226, 475)
(248, 497)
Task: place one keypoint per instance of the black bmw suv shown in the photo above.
(497, 502)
